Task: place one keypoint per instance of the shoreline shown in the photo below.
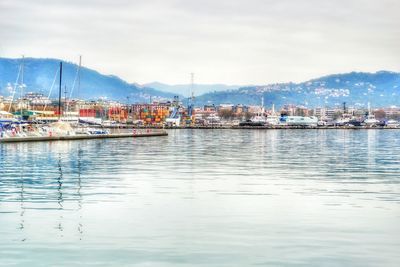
(282, 127)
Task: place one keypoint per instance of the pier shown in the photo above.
(82, 137)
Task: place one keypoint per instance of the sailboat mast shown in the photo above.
(22, 86)
(14, 89)
(59, 93)
(369, 108)
(65, 100)
(79, 74)
(262, 106)
(22, 70)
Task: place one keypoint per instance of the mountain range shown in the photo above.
(39, 75)
(356, 89)
(185, 89)
(381, 88)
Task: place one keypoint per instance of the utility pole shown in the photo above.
(192, 85)
(191, 98)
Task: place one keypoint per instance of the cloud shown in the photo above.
(236, 41)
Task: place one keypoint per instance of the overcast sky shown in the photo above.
(222, 41)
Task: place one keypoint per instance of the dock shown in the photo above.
(82, 137)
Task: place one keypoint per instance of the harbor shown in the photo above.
(35, 109)
(27, 132)
(199, 133)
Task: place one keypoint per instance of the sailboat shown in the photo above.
(73, 116)
(60, 127)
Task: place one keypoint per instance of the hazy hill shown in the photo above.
(39, 75)
(356, 88)
(184, 89)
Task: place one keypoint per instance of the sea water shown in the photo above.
(204, 198)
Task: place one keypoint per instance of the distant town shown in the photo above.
(38, 108)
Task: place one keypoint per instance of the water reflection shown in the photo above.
(46, 178)
(229, 197)
(60, 194)
(22, 206)
(80, 225)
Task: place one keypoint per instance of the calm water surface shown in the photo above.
(204, 198)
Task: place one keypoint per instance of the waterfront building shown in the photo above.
(327, 114)
(226, 107)
(240, 109)
(37, 99)
(294, 110)
(392, 112)
(209, 108)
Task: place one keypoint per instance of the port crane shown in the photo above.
(190, 113)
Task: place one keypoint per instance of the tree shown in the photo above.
(248, 115)
(226, 114)
(380, 114)
(337, 115)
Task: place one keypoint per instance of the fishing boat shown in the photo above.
(259, 119)
(370, 120)
(273, 118)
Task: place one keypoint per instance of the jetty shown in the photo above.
(82, 136)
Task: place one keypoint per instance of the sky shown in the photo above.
(221, 41)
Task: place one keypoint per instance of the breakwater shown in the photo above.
(82, 137)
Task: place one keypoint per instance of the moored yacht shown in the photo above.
(392, 124)
(299, 120)
(272, 120)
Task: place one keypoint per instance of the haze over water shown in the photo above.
(204, 198)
